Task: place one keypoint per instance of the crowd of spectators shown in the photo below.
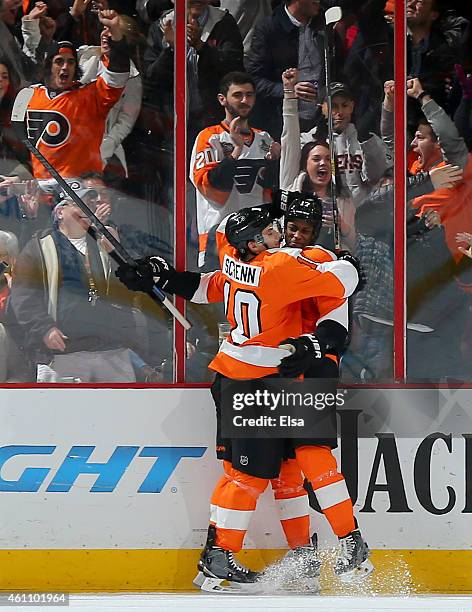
(102, 112)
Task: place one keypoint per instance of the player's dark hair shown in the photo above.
(235, 78)
(307, 147)
(305, 152)
(52, 53)
(10, 95)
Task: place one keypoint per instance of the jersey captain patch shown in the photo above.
(241, 272)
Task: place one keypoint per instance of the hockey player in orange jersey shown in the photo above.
(251, 279)
(65, 119)
(327, 317)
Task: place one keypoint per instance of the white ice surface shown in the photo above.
(230, 603)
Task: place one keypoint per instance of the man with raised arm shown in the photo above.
(65, 119)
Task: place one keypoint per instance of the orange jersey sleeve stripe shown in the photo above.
(210, 288)
(203, 162)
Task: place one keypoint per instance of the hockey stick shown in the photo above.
(332, 16)
(119, 253)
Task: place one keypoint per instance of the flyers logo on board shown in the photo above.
(49, 127)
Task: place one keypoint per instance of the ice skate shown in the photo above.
(222, 572)
(302, 565)
(353, 563)
(219, 571)
(210, 541)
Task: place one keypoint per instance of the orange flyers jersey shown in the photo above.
(68, 128)
(314, 311)
(322, 308)
(263, 304)
(214, 144)
(453, 206)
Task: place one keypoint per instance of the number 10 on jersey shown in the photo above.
(243, 311)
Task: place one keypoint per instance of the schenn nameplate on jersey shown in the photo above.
(241, 272)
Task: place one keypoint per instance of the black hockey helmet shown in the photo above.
(307, 207)
(245, 225)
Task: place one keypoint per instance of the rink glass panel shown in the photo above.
(367, 63)
(364, 65)
(438, 274)
(142, 211)
(145, 204)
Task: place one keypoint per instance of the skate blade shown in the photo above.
(357, 574)
(220, 585)
(199, 579)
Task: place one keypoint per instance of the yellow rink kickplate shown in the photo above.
(397, 572)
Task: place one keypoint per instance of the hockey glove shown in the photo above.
(281, 200)
(147, 272)
(308, 349)
(346, 256)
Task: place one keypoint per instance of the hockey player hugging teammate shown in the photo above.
(252, 239)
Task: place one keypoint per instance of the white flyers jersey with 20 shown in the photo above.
(212, 145)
